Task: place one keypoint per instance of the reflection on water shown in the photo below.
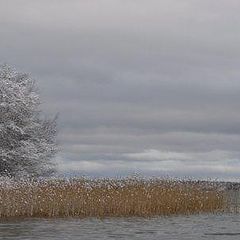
(224, 226)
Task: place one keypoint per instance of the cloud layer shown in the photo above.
(141, 86)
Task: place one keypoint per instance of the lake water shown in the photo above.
(219, 226)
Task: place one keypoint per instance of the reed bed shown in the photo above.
(107, 198)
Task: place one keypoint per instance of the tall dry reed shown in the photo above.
(106, 198)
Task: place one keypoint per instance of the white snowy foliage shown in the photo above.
(27, 141)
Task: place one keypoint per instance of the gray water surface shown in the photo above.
(224, 226)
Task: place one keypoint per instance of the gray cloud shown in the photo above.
(129, 76)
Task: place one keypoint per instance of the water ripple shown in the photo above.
(219, 226)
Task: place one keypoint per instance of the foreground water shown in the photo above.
(222, 226)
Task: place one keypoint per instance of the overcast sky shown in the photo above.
(146, 86)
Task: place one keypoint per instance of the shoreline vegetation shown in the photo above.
(128, 197)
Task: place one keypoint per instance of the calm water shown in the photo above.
(192, 227)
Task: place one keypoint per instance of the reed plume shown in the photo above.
(107, 198)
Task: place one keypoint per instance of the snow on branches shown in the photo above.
(27, 141)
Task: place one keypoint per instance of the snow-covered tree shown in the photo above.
(27, 140)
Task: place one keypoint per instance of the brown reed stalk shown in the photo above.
(107, 198)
